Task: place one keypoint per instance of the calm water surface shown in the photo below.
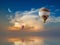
(31, 40)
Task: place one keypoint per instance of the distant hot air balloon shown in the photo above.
(22, 27)
(44, 13)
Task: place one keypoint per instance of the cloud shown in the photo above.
(53, 19)
(9, 10)
(29, 19)
(32, 19)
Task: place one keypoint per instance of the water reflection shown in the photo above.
(32, 40)
(27, 41)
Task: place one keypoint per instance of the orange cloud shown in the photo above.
(29, 21)
(33, 26)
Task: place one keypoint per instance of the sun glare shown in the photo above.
(16, 24)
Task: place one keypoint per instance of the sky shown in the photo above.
(13, 11)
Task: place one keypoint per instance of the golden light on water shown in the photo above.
(37, 40)
(17, 43)
(27, 41)
(13, 39)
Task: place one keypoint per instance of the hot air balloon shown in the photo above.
(22, 27)
(44, 14)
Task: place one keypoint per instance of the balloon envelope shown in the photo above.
(44, 14)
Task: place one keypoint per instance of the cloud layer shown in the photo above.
(32, 21)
